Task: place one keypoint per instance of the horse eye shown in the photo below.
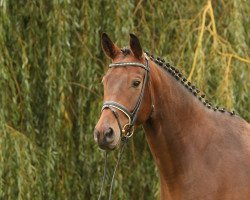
(135, 84)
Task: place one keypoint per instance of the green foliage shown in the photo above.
(51, 65)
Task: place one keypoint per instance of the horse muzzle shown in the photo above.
(106, 138)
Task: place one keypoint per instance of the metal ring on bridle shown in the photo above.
(128, 130)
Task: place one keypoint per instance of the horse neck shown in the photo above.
(170, 125)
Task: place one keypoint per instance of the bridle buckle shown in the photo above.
(128, 130)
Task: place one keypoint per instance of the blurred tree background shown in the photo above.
(51, 66)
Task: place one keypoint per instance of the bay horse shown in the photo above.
(202, 152)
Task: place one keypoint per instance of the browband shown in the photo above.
(120, 64)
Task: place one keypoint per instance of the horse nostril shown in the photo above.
(96, 135)
(109, 133)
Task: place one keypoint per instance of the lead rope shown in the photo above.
(125, 140)
(104, 174)
(116, 166)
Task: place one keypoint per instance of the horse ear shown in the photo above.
(135, 46)
(108, 46)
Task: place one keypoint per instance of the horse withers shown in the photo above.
(202, 152)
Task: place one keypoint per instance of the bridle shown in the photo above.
(128, 129)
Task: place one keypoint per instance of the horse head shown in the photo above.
(126, 93)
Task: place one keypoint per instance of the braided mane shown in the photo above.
(181, 78)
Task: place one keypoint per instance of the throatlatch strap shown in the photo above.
(139, 101)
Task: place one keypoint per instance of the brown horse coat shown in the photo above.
(201, 154)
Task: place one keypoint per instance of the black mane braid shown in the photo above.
(181, 78)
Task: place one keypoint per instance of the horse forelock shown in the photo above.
(125, 51)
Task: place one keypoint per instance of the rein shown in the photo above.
(128, 129)
(125, 140)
